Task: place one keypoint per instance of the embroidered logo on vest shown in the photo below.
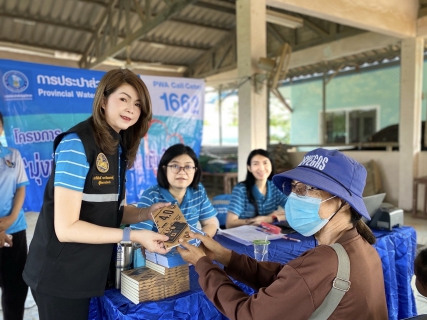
(102, 163)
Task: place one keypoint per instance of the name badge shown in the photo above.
(103, 180)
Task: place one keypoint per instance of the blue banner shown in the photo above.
(40, 101)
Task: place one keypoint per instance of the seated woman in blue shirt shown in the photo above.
(256, 199)
(178, 178)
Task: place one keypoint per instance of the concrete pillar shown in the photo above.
(411, 78)
(251, 45)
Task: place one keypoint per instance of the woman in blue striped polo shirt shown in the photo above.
(178, 178)
(85, 201)
(256, 199)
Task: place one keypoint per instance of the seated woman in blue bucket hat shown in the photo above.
(324, 200)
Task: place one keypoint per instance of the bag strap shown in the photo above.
(340, 285)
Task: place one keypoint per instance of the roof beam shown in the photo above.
(275, 33)
(199, 23)
(50, 22)
(225, 9)
(322, 40)
(45, 50)
(395, 18)
(148, 12)
(176, 44)
(302, 61)
(90, 30)
(315, 28)
(338, 49)
(103, 49)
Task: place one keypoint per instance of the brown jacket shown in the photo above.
(293, 291)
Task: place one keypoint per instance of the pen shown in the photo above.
(291, 239)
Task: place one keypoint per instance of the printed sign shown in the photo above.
(39, 102)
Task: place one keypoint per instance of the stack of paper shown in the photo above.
(142, 284)
(154, 282)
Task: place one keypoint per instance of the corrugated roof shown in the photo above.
(180, 40)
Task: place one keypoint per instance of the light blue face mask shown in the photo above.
(302, 213)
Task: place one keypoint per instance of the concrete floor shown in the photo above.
(420, 225)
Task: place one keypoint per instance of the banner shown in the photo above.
(40, 101)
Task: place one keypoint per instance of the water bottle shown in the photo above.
(124, 254)
(138, 256)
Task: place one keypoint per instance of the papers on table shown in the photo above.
(246, 234)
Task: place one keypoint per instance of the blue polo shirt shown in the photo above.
(239, 203)
(12, 177)
(195, 205)
(71, 162)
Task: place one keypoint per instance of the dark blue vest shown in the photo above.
(78, 270)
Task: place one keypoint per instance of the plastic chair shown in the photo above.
(220, 203)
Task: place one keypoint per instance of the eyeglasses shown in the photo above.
(176, 168)
(301, 189)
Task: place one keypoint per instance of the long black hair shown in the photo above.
(250, 180)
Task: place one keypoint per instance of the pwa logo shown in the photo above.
(15, 81)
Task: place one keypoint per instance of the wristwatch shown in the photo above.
(126, 235)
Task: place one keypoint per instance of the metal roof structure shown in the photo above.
(195, 38)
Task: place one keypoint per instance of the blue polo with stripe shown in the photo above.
(195, 205)
(71, 163)
(240, 206)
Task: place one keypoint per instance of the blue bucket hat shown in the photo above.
(331, 171)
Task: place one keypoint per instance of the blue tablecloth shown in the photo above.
(396, 249)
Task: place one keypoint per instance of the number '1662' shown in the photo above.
(174, 102)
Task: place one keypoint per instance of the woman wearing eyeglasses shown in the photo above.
(178, 178)
(325, 200)
(256, 199)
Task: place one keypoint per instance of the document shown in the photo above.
(246, 234)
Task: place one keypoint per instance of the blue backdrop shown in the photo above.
(40, 101)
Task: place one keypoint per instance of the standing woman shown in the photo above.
(85, 202)
(178, 178)
(256, 199)
(13, 252)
